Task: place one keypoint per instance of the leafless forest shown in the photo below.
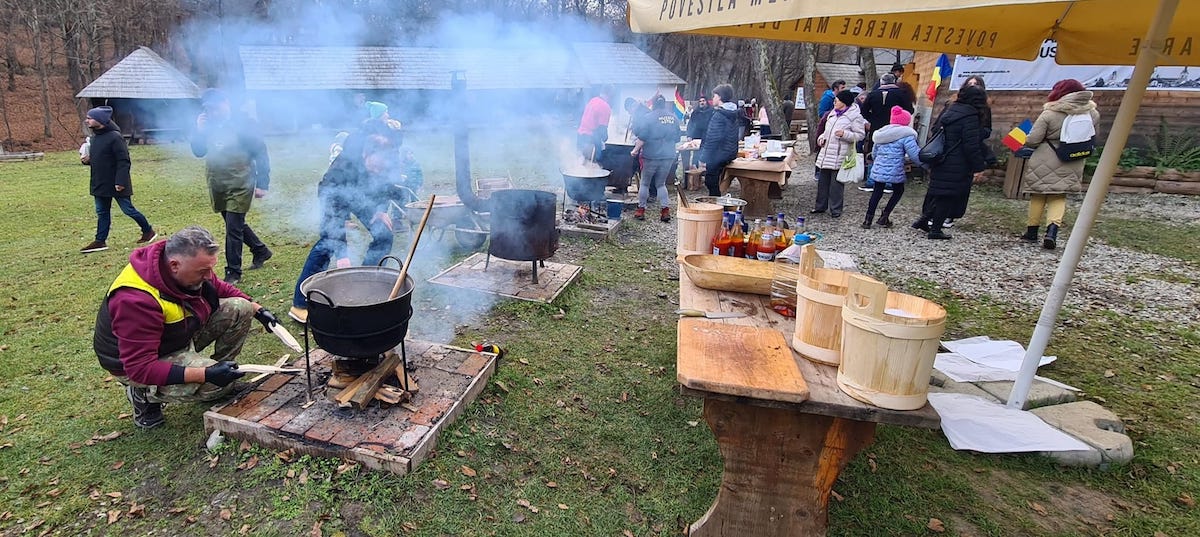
(54, 48)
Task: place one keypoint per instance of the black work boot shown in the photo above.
(146, 415)
(884, 220)
(1050, 242)
(1030, 234)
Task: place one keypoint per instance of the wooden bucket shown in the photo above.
(820, 293)
(698, 222)
(889, 342)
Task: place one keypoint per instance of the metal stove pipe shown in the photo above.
(462, 149)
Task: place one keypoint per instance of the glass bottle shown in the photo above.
(737, 239)
(720, 241)
(784, 281)
(766, 247)
(753, 240)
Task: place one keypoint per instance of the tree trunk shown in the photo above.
(39, 61)
(770, 93)
(73, 51)
(808, 56)
(7, 126)
(11, 62)
(866, 62)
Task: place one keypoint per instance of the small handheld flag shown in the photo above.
(1015, 138)
(680, 105)
(941, 72)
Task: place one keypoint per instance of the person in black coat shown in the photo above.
(720, 143)
(965, 160)
(698, 122)
(108, 157)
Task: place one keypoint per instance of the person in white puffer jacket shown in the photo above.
(844, 128)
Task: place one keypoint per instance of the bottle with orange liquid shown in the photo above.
(720, 241)
(753, 239)
(766, 247)
(737, 239)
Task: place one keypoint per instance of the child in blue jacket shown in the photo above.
(892, 143)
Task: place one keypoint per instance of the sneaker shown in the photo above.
(298, 314)
(888, 191)
(884, 222)
(866, 225)
(921, 224)
(938, 235)
(146, 414)
(665, 214)
(259, 260)
(948, 223)
(233, 279)
(94, 246)
(148, 236)
(816, 211)
(866, 188)
(640, 213)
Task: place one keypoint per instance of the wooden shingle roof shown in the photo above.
(268, 68)
(142, 75)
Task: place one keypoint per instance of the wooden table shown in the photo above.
(758, 178)
(782, 448)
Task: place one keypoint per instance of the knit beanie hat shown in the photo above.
(102, 114)
(1063, 87)
(376, 109)
(846, 96)
(900, 116)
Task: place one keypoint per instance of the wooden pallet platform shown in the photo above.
(609, 229)
(396, 438)
(511, 279)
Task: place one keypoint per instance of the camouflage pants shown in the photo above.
(226, 330)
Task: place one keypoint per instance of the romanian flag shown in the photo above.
(941, 72)
(1016, 137)
(680, 105)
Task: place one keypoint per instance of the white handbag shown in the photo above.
(852, 169)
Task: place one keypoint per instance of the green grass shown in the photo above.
(584, 412)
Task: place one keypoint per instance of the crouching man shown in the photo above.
(163, 308)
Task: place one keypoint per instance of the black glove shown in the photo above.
(267, 318)
(222, 373)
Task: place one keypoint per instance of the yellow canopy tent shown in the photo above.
(1104, 32)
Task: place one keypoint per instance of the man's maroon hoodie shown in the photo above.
(131, 333)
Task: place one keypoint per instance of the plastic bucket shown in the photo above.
(615, 208)
(698, 222)
(820, 293)
(888, 346)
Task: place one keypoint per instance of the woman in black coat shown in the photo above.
(965, 159)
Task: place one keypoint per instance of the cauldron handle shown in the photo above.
(393, 258)
(328, 301)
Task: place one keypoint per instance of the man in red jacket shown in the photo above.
(166, 305)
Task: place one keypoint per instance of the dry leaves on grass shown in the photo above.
(225, 514)
(346, 467)
(468, 471)
(118, 465)
(441, 484)
(136, 510)
(249, 463)
(1037, 507)
(96, 439)
(1186, 500)
(936, 525)
(113, 516)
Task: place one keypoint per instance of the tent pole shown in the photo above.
(1147, 59)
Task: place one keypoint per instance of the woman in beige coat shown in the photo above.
(1047, 178)
(844, 127)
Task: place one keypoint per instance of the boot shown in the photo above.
(1050, 242)
(640, 213)
(921, 224)
(884, 221)
(665, 214)
(1030, 235)
(938, 234)
(146, 415)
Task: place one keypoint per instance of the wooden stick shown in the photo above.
(362, 390)
(412, 249)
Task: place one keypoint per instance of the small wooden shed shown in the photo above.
(149, 96)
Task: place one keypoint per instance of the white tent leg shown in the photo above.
(1146, 61)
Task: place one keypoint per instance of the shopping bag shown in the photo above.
(852, 169)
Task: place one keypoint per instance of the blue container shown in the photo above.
(615, 208)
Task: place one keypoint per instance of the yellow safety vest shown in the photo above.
(173, 312)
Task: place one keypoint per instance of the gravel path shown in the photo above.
(980, 264)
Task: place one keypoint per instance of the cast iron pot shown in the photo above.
(586, 186)
(349, 313)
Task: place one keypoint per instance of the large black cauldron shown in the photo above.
(523, 225)
(349, 313)
(586, 185)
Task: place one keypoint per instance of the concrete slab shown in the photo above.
(1093, 425)
(1040, 393)
(966, 388)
